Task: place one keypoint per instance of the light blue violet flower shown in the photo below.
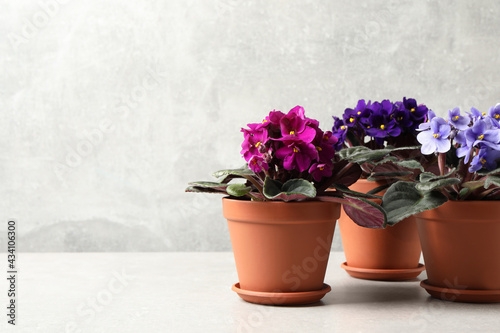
(457, 120)
(435, 139)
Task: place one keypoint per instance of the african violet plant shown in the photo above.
(382, 138)
(289, 158)
(468, 150)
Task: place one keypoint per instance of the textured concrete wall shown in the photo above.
(108, 108)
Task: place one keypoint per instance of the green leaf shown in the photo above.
(363, 212)
(433, 185)
(429, 176)
(197, 189)
(294, 189)
(238, 190)
(403, 199)
(410, 164)
(213, 185)
(234, 172)
(472, 185)
(492, 180)
(384, 175)
(486, 172)
(463, 192)
(345, 189)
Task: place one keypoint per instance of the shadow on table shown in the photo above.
(375, 292)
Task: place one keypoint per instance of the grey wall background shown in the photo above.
(108, 108)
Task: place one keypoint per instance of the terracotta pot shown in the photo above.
(392, 253)
(461, 247)
(281, 247)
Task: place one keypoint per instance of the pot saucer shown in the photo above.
(383, 274)
(277, 298)
(462, 295)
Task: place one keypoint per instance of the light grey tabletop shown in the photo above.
(191, 292)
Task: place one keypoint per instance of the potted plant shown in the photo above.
(280, 215)
(458, 210)
(381, 138)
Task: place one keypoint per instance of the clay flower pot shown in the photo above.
(281, 249)
(391, 254)
(461, 247)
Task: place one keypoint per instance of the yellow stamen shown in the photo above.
(456, 117)
(321, 168)
(482, 160)
(351, 119)
(342, 127)
(382, 126)
(412, 109)
(319, 148)
(295, 150)
(325, 137)
(436, 135)
(484, 113)
(480, 137)
(292, 132)
(368, 126)
(497, 116)
(359, 112)
(264, 121)
(254, 162)
(258, 144)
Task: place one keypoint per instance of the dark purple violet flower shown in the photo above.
(339, 130)
(381, 123)
(353, 116)
(435, 139)
(417, 112)
(401, 115)
(457, 120)
(320, 170)
(297, 155)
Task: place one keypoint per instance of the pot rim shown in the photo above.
(476, 211)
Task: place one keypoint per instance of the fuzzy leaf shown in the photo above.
(197, 189)
(410, 164)
(492, 180)
(294, 189)
(429, 176)
(388, 175)
(238, 190)
(234, 172)
(486, 172)
(345, 189)
(403, 199)
(472, 185)
(213, 185)
(363, 212)
(429, 186)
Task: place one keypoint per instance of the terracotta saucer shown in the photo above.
(462, 295)
(383, 274)
(277, 298)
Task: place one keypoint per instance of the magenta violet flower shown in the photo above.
(297, 155)
(320, 170)
(436, 138)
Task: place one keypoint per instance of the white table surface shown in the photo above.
(191, 292)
